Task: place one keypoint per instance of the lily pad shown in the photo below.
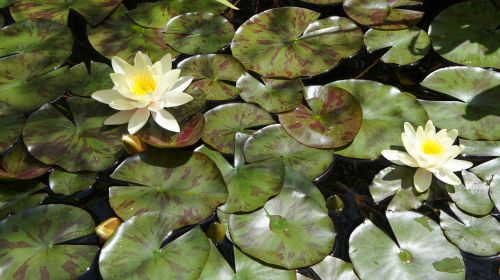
(487, 169)
(66, 183)
(423, 251)
(495, 191)
(191, 190)
(97, 79)
(331, 268)
(385, 109)
(473, 197)
(480, 148)
(77, 141)
(199, 32)
(383, 14)
(12, 123)
(405, 46)
(467, 33)
(20, 196)
(478, 236)
(222, 123)
(248, 268)
(273, 142)
(17, 164)
(476, 114)
(31, 243)
(295, 181)
(333, 120)
(216, 266)
(5, 3)
(322, 2)
(94, 11)
(291, 42)
(213, 74)
(275, 96)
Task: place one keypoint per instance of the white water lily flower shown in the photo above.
(143, 89)
(430, 152)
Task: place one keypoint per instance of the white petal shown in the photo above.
(455, 165)
(155, 106)
(452, 134)
(181, 84)
(430, 128)
(167, 81)
(447, 176)
(409, 144)
(392, 155)
(166, 120)
(106, 96)
(118, 79)
(138, 120)
(119, 118)
(174, 99)
(120, 66)
(166, 63)
(406, 159)
(142, 60)
(409, 130)
(122, 104)
(157, 70)
(422, 179)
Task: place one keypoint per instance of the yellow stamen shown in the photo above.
(432, 147)
(143, 84)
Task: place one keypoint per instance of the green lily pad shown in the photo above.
(199, 32)
(76, 144)
(20, 196)
(423, 251)
(273, 142)
(333, 120)
(322, 2)
(487, 169)
(97, 79)
(385, 109)
(17, 164)
(291, 42)
(191, 190)
(275, 96)
(222, 123)
(12, 123)
(476, 114)
(119, 36)
(473, 197)
(467, 33)
(478, 236)
(135, 250)
(480, 148)
(213, 74)
(383, 14)
(495, 190)
(291, 231)
(94, 11)
(405, 46)
(31, 243)
(66, 183)
(5, 3)
(216, 266)
(331, 268)
(248, 268)
(295, 181)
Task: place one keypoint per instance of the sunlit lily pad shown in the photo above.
(216, 266)
(214, 74)
(273, 142)
(331, 268)
(190, 190)
(97, 79)
(383, 14)
(94, 11)
(17, 164)
(222, 123)
(76, 144)
(332, 120)
(476, 114)
(12, 123)
(273, 95)
(295, 181)
(199, 32)
(191, 108)
(467, 33)
(247, 268)
(19, 196)
(487, 169)
(405, 46)
(480, 148)
(31, 243)
(385, 109)
(495, 191)
(478, 236)
(423, 251)
(66, 183)
(291, 42)
(473, 196)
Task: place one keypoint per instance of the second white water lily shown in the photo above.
(430, 152)
(144, 89)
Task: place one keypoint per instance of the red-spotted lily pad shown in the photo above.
(222, 123)
(214, 74)
(12, 123)
(74, 140)
(17, 164)
(62, 182)
(19, 196)
(291, 42)
(199, 32)
(472, 196)
(94, 11)
(467, 33)
(97, 79)
(476, 115)
(273, 142)
(273, 95)
(421, 251)
(385, 109)
(383, 14)
(191, 190)
(31, 243)
(332, 120)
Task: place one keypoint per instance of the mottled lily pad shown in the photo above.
(495, 191)
(19, 196)
(66, 183)
(476, 115)
(190, 190)
(297, 182)
(291, 42)
(473, 196)
(488, 169)
(331, 268)
(222, 123)
(423, 251)
(214, 74)
(97, 79)
(405, 46)
(273, 142)
(467, 33)
(332, 120)
(191, 108)
(17, 164)
(31, 243)
(478, 236)
(385, 109)
(275, 96)
(383, 14)
(480, 148)
(199, 32)
(216, 266)
(77, 141)
(322, 2)
(12, 123)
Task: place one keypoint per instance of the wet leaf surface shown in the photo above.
(17, 164)
(66, 183)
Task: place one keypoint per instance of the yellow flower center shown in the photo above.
(143, 84)
(432, 147)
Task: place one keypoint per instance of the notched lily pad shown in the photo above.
(17, 164)
(66, 183)
(12, 123)
(473, 196)
(487, 169)
(480, 148)
(18, 196)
